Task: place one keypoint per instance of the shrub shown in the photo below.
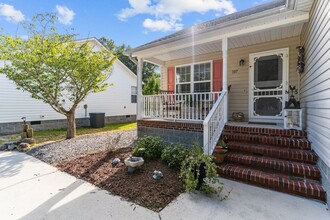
(174, 155)
(193, 170)
(149, 147)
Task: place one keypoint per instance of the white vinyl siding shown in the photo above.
(115, 101)
(238, 76)
(315, 81)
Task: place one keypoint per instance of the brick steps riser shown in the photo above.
(265, 131)
(273, 165)
(276, 159)
(302, 144)
(274, 182)
(280, 153)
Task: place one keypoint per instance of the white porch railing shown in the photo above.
(184, 106)
(214, 124)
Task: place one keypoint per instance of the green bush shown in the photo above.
(174, 155)
(149, 147)
(190, 172)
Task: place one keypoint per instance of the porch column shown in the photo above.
(139, 103)
(225, 74)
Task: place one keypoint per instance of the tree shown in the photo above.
(55, 68)
(152, 87)
(148, 68)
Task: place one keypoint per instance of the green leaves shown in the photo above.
(149, 147)
(53, 67)
(190, 172)
(152, 87)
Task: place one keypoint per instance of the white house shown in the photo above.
(118, 102)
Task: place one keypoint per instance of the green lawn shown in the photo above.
(56, 135)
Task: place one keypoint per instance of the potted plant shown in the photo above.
(220, 151)
(199, 173)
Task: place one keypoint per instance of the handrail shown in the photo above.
(179, 106)
(213, 124)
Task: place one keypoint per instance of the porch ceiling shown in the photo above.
(234, 42)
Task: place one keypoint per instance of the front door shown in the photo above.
(268, 78)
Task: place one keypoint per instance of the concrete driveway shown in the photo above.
(31, 189)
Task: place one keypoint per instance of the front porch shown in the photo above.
(257, 61)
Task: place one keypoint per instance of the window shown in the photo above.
(193, 78)
(268, 71)
(202, 77)
(183, 79)
(133, 94)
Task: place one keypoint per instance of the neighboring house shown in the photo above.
(245, 62)
(118, 102)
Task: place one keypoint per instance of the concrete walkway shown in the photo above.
(31, 189)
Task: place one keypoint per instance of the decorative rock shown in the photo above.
(24, 145)
(8, 143)
(28, 140)
(115, 161)
(12, 146)
(157, 175)
(19, 148)
(3, 147)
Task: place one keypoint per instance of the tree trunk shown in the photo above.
(71, 130)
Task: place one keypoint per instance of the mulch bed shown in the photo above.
(138, 187)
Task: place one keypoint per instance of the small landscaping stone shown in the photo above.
(19, 148)
(3, 147)
(28, 140)
(24, 145)
(157, 175)
(115, 161)
(12, 146)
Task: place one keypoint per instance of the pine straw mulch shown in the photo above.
(138, 187)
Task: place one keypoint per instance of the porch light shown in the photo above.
(242, 62)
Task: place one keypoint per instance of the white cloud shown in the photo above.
(10, 13)
(166, 14)
(162, 25)
(65, 15)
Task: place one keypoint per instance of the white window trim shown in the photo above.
(133, 93)
(192, 70)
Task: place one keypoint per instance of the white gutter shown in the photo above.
(131, 58)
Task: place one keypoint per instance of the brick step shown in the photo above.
(286, 142)
(265, 131)
(282, 183)
(305, 156)
(290, 168)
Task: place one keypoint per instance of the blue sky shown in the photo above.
(133, 22)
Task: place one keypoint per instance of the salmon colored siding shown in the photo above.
(217, 75)
(170, 79)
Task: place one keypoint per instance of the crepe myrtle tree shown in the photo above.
(54, 67)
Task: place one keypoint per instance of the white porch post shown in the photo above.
(225, 75)
(139, 106)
